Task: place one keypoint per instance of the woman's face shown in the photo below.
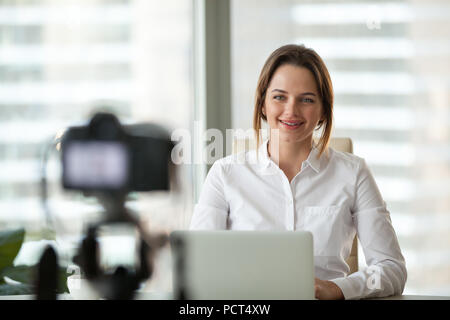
(292, 103)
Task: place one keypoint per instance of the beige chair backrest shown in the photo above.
(339, 144)
(346, 145)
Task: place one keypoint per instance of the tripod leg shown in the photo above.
(47, 275)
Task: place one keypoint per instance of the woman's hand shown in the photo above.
(327, 290)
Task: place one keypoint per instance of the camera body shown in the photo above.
(105, 156)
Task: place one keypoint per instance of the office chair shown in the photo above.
(339, 144)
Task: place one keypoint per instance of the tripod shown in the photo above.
(123, 282)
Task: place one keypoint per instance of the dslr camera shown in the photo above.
(105, 156)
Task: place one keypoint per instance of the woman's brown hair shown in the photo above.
(297, 55)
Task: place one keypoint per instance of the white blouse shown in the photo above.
(334, 197)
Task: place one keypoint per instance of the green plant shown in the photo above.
(10, 243)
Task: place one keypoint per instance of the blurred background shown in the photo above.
(389, 61)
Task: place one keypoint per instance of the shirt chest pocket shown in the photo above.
(329, 226)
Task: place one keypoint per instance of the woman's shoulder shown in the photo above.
(237, 160)
(345, 159)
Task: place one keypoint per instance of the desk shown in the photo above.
(67, 296)
(412, 297)
(167, 296)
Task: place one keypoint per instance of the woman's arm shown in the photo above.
(327, 290)
(386, 272)
(211, 211)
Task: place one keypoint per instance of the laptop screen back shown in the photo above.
(219, 265)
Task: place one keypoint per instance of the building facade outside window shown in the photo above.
(389, 66)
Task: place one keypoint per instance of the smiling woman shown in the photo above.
(295, 184)
(288, 109)
(294, 75)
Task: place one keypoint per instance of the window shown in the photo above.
(60, 61)
(389, 66)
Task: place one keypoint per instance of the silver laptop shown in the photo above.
(242, 265)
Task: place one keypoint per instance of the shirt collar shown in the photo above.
(313, 160)
(263, 154)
